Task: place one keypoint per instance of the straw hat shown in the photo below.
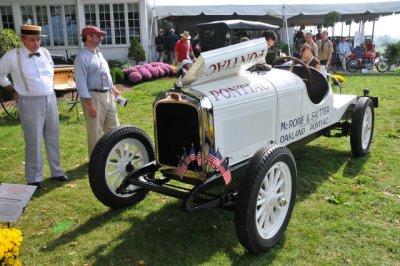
(186, 35)
(31, 30)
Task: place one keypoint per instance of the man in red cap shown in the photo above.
(32, 72)
(183, 49)
(95, 87)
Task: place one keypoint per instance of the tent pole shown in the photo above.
(287, 28)
(342, 29)
(350, 29)
(373, 29)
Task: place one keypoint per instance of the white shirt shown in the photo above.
(38, 72)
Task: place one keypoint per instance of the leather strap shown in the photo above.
(20, 68)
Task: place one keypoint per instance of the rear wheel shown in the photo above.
(362, 127)
(117, 153)
(382, 66)
(352, 65)
(266, 199)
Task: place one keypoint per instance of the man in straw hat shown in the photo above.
(32, 72)
(95, 87)
(183, 49)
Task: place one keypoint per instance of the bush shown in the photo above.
(136, 51)
(117, 75)
(112, 63)
(392, 52)
(8, 40)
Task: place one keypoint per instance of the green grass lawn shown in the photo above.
(64, 224)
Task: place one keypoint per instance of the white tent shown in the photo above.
(283, 12)
(304, 10)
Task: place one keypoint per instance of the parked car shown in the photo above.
(231, 118)
(222, 33)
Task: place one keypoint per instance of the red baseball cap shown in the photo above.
(91, 29)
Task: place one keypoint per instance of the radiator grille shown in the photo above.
(177, 128)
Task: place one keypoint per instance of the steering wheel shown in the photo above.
(280, 60)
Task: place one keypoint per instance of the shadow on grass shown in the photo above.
(6, 121)
(166, 237)
(316, 164)
(171, 237)
(73, 174)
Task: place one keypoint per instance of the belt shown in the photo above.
(102, 91)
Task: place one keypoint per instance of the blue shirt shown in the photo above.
(89, 67)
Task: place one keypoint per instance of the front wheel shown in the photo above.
(266, 198)
(117, 153)
(352, 65)
(382, 66)
(362, 127)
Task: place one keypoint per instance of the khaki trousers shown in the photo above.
(105, 120)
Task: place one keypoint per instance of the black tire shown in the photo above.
(250, 229)
(362, 127)
(352, 65)
(382, 66)
(115, 150)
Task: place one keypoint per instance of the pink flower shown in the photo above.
(161, 71)
(135, 77)
(145, 73)
(153, 71)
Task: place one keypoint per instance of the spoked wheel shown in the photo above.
(266, 199)
(352, 65)
(362, 127)
(117, 153)
(11, 109)
(283, 59)
(382, 66)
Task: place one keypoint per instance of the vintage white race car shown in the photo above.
(231, 118)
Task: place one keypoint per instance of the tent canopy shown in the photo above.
(242, 24)
(300, 12)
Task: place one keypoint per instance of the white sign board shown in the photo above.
(357, 39)
(13, 199)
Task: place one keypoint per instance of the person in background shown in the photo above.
(325, 50)
(183, 49)
(344, 50)
(32, 72)
(95, 87)
(172, 39)
(186, 65)
(318, 36)
(160, 43)
(244, 39)
(308, 58)
(270, 38)
(311, 43)
(196, 45)
(370, 49)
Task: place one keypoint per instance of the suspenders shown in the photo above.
(46, 53)
(20, 69)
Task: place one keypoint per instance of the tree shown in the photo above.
(8, 40)
(332, 18)
(136, 51)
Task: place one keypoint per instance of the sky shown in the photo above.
(387, 25)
